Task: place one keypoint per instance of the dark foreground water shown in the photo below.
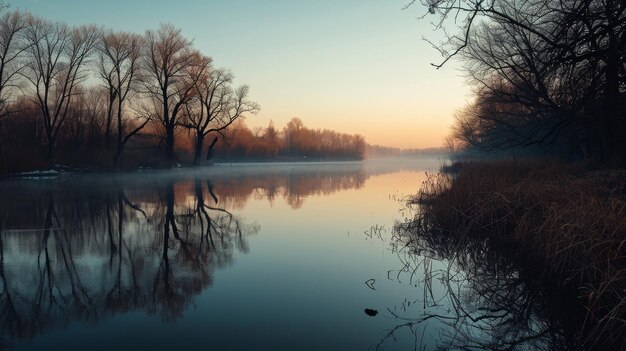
(241, 257)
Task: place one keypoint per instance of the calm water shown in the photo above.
(241, 257)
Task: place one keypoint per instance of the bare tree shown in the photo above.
(119, 68)
(216, 106)
(563, 59)
(56, 66)
(106, 71)
(12, 46)
(172, 70)
(95, 112)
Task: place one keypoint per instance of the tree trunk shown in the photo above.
(198, 151)
(169, 145)
(209, 153)
(118, 155)
(120, 134)
(107, 133)
(50, 149)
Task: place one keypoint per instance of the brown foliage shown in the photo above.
(565, 223)
(295, 142)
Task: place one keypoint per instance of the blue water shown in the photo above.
(295, 254)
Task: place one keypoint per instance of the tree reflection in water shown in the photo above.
(97, 251)
(85, 248)
(474, 296)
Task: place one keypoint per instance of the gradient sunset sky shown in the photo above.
(357, 66)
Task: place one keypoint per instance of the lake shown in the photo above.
(293, 256)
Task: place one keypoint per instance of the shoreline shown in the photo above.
(57, 171)
(563, 224)
(214, 167)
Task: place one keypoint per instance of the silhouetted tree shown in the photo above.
(12, 47)
(558, 65)
(56, 66)
(119, 68)
(67, 117)
(216, 106)
(172, 70)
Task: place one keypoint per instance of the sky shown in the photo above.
(355, 66)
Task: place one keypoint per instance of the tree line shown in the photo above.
(294, 142)
(79, 94)
(548, 75)
(379, 151)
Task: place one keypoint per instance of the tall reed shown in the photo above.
(567, 223)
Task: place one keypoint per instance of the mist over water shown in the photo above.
(232, 257)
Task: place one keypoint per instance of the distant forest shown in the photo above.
(88, 97)
(293, 142)
(548, 76)
(378, 151)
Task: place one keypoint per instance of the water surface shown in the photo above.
(232, 257)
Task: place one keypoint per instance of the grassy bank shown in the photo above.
(563, 223)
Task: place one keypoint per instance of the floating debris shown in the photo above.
(370, 312)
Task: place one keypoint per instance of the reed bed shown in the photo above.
(567, 223)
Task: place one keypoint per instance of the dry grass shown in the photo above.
(569, 224)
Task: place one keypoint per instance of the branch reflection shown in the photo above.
(85, 251)
(473, 296)
(85, 248)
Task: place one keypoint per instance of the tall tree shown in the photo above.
(56, 66)
(12, 46)
(566, 56)
(172, 71)
(119, 68)
(215, 107)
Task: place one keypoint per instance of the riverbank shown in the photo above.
(58, 170)
(564, 223)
